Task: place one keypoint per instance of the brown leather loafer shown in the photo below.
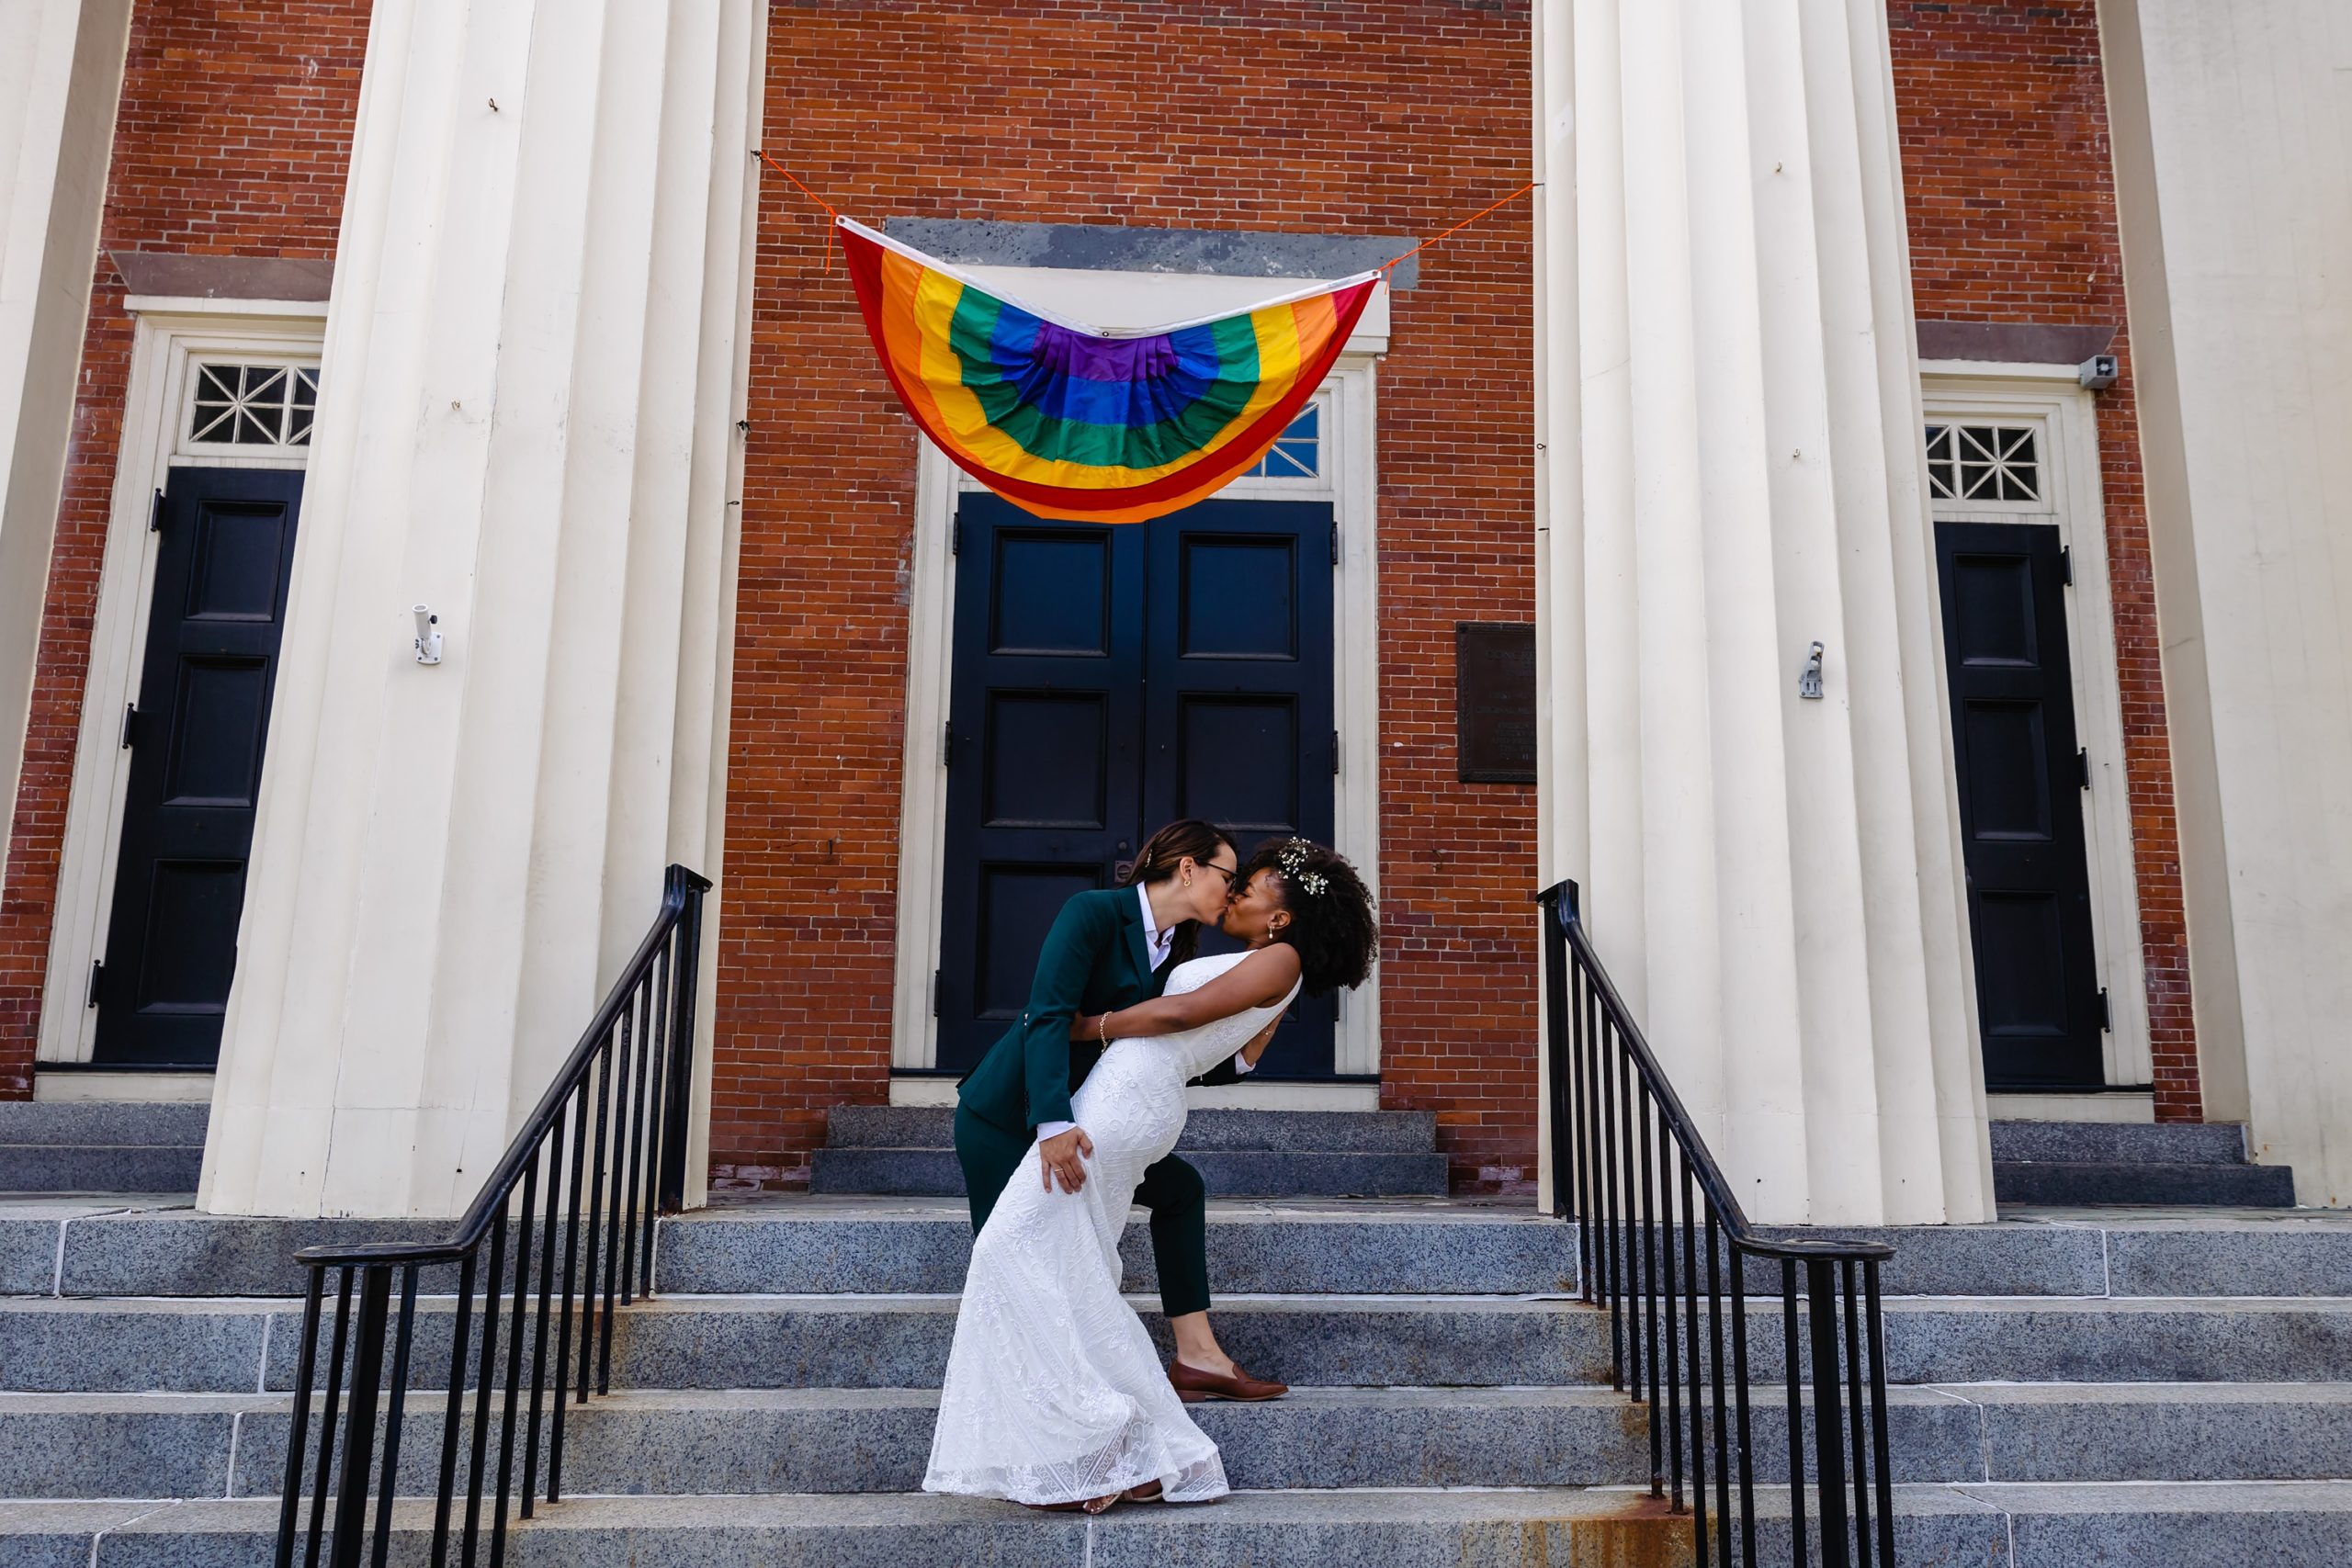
(1194, 1386)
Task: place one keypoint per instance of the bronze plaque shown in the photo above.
(1494, 702)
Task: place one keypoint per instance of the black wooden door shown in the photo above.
(1105, 680)
(197, 734)
(2021, 777)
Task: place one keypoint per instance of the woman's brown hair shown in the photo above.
(1188, 837)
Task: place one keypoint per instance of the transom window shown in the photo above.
(1984, 462)
(1296, 453)
(253, 405)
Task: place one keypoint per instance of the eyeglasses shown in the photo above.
(1206, 865)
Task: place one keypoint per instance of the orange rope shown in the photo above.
(830, 212)
(1390, 265)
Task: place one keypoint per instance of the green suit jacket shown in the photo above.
(1096, 959)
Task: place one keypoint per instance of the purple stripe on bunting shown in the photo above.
(1104, 381)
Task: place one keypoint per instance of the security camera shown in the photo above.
(2097, 373)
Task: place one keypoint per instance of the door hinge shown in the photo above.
(2066, 562)
(939, 988)
(129, 713)
(98, 969)
(155, 514)
(2106, 1015)
(956, 538)
(1335, 753)
(2083, 767)
(1335, 544)
(947, 743)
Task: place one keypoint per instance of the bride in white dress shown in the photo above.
(1054, 1395)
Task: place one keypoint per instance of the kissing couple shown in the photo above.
(1054, 1395)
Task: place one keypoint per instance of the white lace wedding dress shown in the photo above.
(1054, 1392)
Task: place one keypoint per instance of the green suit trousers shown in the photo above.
(1171, 1190)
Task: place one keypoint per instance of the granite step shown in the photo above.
(2106, 1143)
(1207, 1128)
(1227, 1173)
(232, 1345)
(1368, 1247)
(100, 1146)
(98, 1168)
(867, 1244)
(2141, 1183)
(116, 1123)
(2224, 1525)
(743, 1441)
(1372, 1528)
(2122, 1162)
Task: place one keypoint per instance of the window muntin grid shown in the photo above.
(251, 405)
(1984, 462)
(1297, 452)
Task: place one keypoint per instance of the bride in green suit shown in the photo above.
(1110, 949)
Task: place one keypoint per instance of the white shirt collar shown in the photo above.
(1154, 938)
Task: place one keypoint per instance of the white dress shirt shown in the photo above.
(1157, 941)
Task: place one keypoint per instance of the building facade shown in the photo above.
(1820, 330)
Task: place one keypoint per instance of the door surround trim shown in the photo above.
(2048, 397)
(1350, 482)
(167, 335)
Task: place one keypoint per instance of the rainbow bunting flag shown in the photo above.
(1091, 424)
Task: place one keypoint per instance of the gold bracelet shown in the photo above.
(1102, 1029)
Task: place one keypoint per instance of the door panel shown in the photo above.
(198, 739)
(1238, 702)
(2020, 805)
(1043, 738)
(1107, 680)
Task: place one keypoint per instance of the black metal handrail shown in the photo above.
(627, 1085)
(1622, 1148)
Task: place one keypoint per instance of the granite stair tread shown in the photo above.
(1227, 1173)
(2168, 1143)
(900, 1340)
(835, 1440)
(100, 1146)
(2192, 1525)
(2139, 1182)
(864, 1243)
(1214, 1127)
(112, 1122)
(2122, 1162)
(908, 1149)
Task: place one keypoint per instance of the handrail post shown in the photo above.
(686, 976)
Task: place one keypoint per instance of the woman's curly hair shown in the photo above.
(1331, 920)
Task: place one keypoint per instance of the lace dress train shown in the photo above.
(1054, 1393)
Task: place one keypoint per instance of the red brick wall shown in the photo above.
(2011, 187)
(231, 140)
(1388, 118)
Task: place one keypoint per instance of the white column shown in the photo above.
(535, 359)
(1730, 471)
(2234, 190)
(61, 73)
